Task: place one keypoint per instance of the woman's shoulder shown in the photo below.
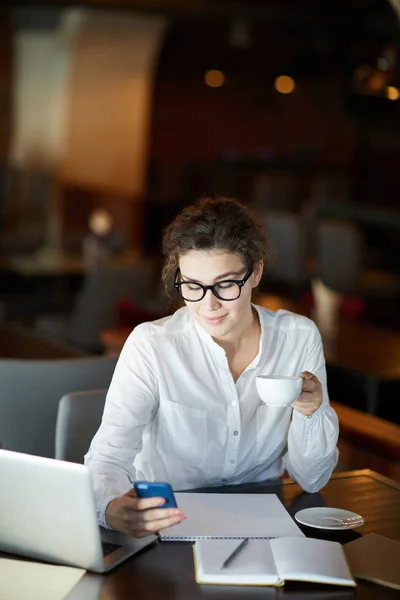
(285, 319)
(174, 324)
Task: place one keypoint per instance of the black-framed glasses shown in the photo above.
(229, 289)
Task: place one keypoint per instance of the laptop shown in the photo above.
(47, 512)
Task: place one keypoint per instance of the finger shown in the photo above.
(304, 409)
(146, 503)
(307, 375)
(131, 493)
(154, 526)
(307, 399)
(158, 514)
(143, 503)
(303, 403)
(309, 385)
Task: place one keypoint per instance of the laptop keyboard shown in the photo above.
(109, 547)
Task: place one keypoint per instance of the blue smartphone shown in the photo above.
(151, 489)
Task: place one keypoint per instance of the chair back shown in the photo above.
(287, 237)
(96, 305)
(78, 419)
(31, 391)
(339, 255)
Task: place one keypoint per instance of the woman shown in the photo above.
(182, 405)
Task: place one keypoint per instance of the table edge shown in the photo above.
(357, 473)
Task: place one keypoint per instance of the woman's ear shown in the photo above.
(257, 273)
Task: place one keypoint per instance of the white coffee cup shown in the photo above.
(278, 391)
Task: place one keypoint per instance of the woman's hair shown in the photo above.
(213, 224)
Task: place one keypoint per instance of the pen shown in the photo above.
(234, 554)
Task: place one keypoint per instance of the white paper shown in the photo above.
(254, 565)
(21, 579)
(310, 559)
(231, 515)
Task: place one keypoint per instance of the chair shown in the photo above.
(340, 259)
(97, 302)
(31, 391)
(287, 239)
(78, 418)
(339, 255)
(342, 284)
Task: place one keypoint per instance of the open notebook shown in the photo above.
(231, 516)
(271, 562)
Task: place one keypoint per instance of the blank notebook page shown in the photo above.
(254, 565)
(231, 516)
(310, 559)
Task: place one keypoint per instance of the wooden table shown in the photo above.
(60, 264)
(164, 571)
(18, 342)
(361, 348)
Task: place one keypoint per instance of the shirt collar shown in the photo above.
(261, 346)
(216, 348)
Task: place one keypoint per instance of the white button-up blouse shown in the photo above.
(174, 413)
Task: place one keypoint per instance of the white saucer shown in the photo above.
(314, 517)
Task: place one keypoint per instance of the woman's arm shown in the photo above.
(130, 404)
(312, 440)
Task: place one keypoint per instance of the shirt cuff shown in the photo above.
(101, 512)
(308, 420)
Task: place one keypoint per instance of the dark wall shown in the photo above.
(194, 122)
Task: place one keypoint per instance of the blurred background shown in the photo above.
(115, 114)
(137, 108)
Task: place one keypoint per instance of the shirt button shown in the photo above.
(232, 461)
(223, 479)
(234, 403)
(235, 433)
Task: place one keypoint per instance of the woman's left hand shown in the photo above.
(310, 398)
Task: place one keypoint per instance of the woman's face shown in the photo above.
(218, 317)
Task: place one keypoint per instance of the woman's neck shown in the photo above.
(250, 331)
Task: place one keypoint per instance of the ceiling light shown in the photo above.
(392, 92)
(214, 78)
(284, 84)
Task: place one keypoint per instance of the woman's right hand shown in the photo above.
(140, 517)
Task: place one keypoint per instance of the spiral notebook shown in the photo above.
(230, 516)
